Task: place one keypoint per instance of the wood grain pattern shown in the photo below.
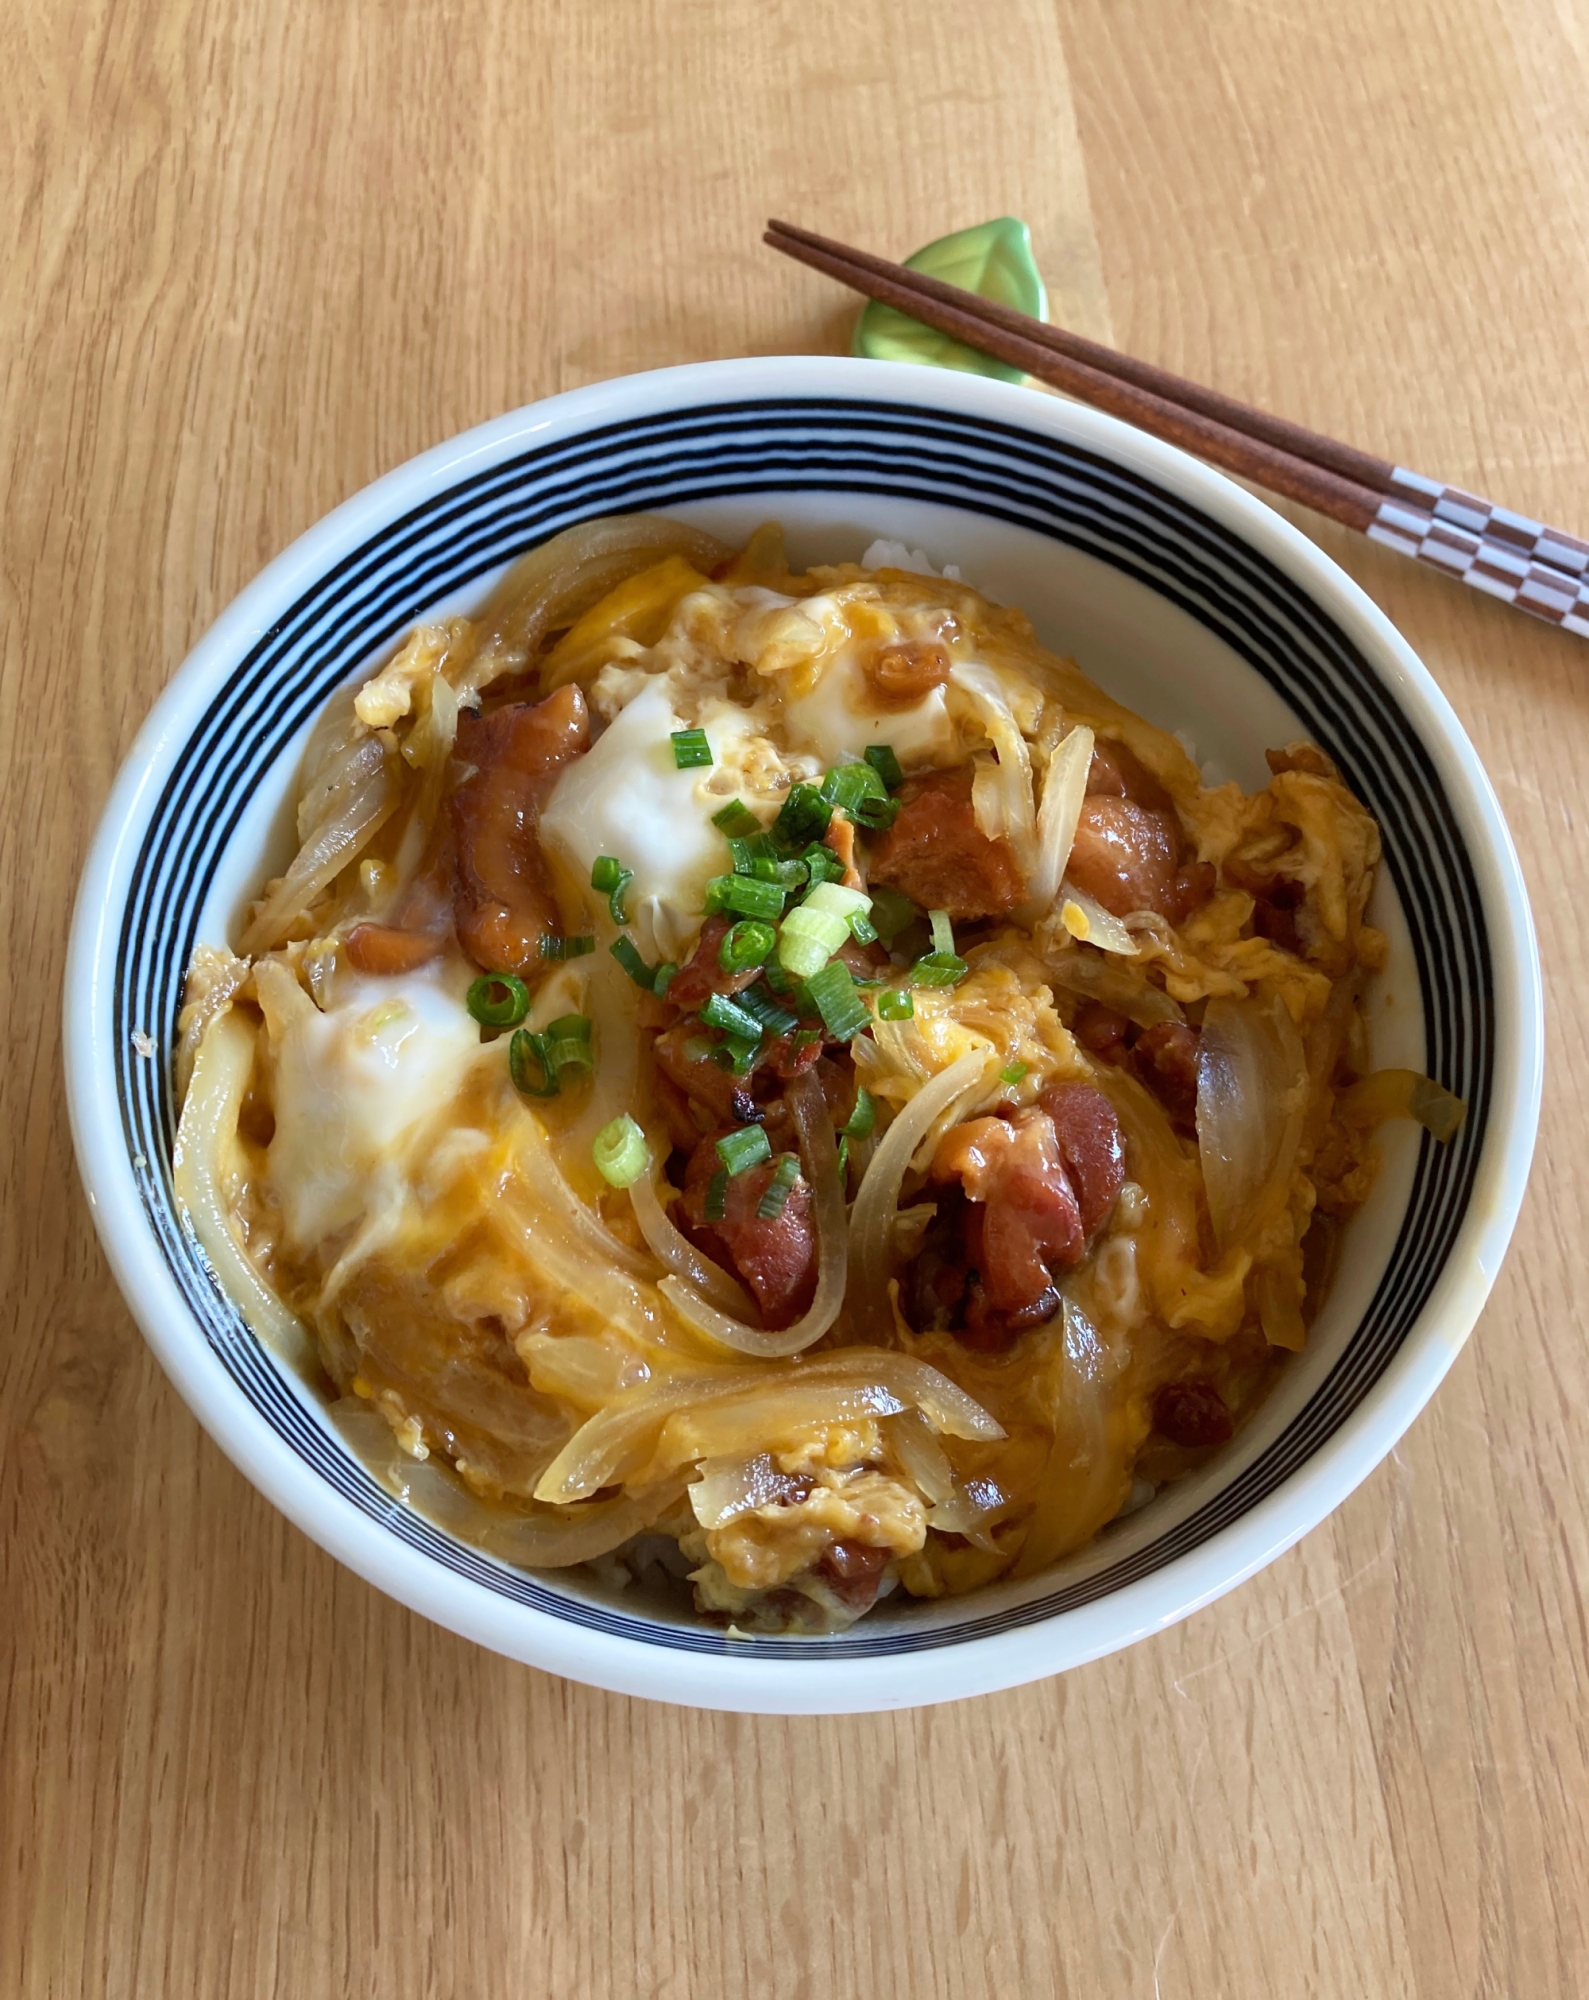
(254, 253)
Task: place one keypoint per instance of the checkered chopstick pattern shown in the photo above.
(1506, 555)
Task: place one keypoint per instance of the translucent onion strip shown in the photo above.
(872, 1380)
(1252, 1089)
(357, 789)
(872, 1218)
(819, 1157)
(673, 1249)
(1064, 788)
(1090, 923)
(207, 1131)
(528, 1541)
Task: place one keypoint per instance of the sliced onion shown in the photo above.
(857, 1380)
(354, 793)
(208, 1129)
(1084, 1481)
(670, 1246)
(1252, 1091)
(554, 584)
(729, 1487)
(1013, 819)
(530, 1541)
(1123, 988)
(872, 1218)
(1090, 923)
(1064, 788)
(819, 1157)
(922, 1458)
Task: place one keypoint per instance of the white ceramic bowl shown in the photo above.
(1189, 599)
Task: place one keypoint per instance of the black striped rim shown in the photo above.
(849, 448)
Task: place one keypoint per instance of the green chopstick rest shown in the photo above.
(994, 260)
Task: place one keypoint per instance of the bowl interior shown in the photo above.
(1170, 608)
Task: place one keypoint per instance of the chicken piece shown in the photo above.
(696, 981)
(422, 923)
(936, 854)
(504, 902)
(775, 1256)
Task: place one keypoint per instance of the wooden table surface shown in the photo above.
(254, 254)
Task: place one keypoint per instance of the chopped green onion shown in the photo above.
(623, 949)
(743, 1149)
(717, 1195)
(808, 938)
(883, 761)
(835, 898)
(844, 1162)
(690, 749)
(509, 1006)
(842, 1009)
(567, 1044)
(891, 912)
(876, 815)
(721, 1012)
(779, 980)
(611, 878)
(862, 929)
(943, 933)
(523, 1050)
(895, 1003)
(698, 1049)
(938, 968)
(747, 943)
(566, 947)
(1012, 1072)
(736, 819)
(822, 864)
(861, 1120)
(846, 785)
(776, 1192)
(738, 1053)
(805, 1037)
(750, 848)
(745, 896)
(619, 1150)
(803, 817)
(773, 1018)
(667, 971)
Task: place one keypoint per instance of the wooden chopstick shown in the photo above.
(1539, 569)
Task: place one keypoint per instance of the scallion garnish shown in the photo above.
(861, 1120)
(776, 1192)
(822, 864)
(844, 1162)
(624, 950)
(846, 785)
(666, 973)
(755, 855)
(943, 933)
(527, 1055)
(1012, 1072)
(690, 749)
(619, 1150)
(808, 938)
(803, 817)
(938, 968)
(833, 994)
(738, 1053)
(717, 1195)
(745, 1148)
(745, 896)
(862, 929)
(745, 944)
(498, 1000)
(876, 815)
(566, 947)
(774, 1019)
(722, 1012)
(894, 1003)
(883, 761)
(736, 820)
(611, 878)
(567, 1044)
